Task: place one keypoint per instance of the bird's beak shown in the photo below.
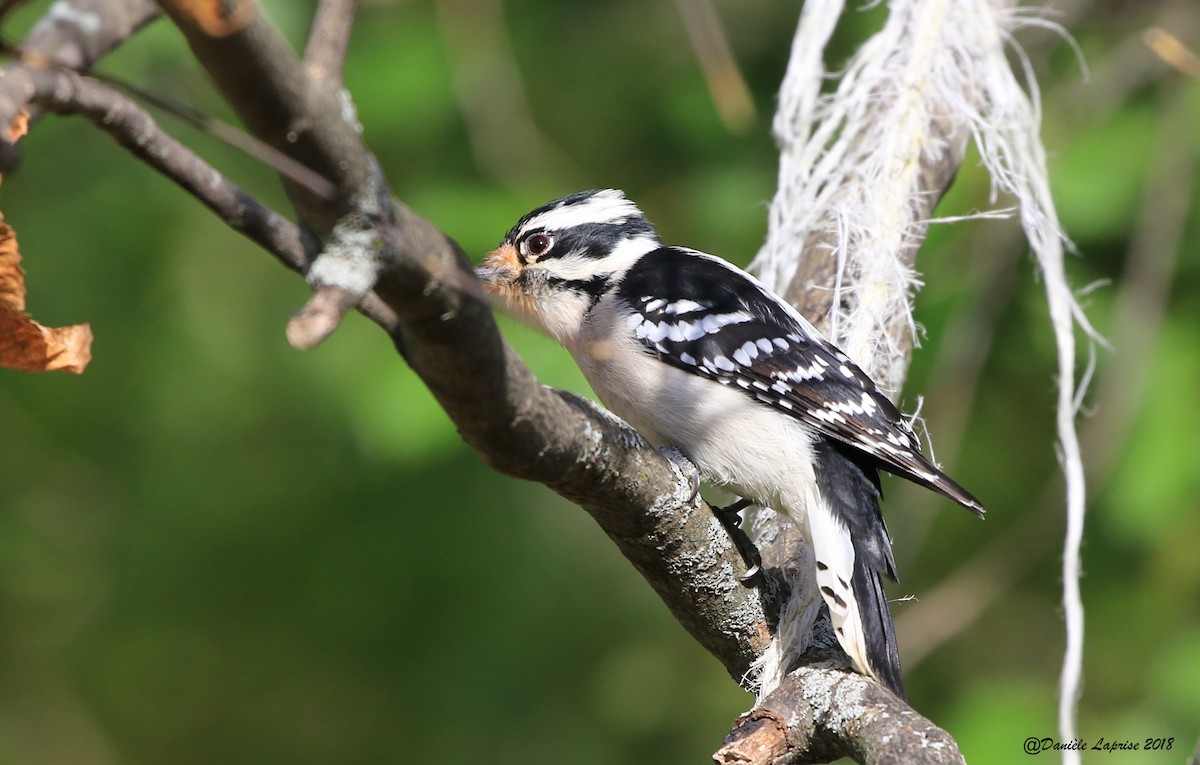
(499, 269)
(500, 273)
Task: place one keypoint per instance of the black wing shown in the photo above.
(700, 314)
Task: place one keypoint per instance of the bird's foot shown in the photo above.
(731, 520)
(728, 516)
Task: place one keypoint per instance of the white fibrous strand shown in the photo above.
(850, 179)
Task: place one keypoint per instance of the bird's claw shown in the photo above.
(729, 518)
(753, 578)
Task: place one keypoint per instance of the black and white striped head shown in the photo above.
(561, 257)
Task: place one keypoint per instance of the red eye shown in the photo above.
(538, 244)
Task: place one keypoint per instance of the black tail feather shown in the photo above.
(850, 482)
(876, 617)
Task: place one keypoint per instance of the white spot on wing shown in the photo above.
(711, 324)
(811, 372)
(827, 416)
(680, 331)
(682, 306)
(899, 439)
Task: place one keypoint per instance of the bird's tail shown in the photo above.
(853, 552)
(883, 655)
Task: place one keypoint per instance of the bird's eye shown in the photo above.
(538, 244)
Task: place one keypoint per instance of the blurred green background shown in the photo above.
(214, 548)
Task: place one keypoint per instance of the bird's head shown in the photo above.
(558, 259)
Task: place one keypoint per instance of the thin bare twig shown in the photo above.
(728, 88)
(329, 38)
(958, 364)
(503, 134)
(1171, 50)
(277, 105)
(967, 593)
(63, 91)
(77, 33)
(290, 169)
(257, 71)
(320, 316)
(1145, 283)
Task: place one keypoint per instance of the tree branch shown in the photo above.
(66, 92)
(426, 298)
(261, 77)
(325, 52)
(362, 248)
(78, 33)
(823, 712)
(307, 119)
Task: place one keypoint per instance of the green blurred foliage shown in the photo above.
(214, 548)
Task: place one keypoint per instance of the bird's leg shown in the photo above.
(729, 518)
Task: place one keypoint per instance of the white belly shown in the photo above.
(736, 442)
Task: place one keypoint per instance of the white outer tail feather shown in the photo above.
(834, 554)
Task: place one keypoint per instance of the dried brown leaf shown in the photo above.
(25, 344)
(12, 276)
(30, 347)
(216, 18)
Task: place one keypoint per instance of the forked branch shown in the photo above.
(360, 248)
